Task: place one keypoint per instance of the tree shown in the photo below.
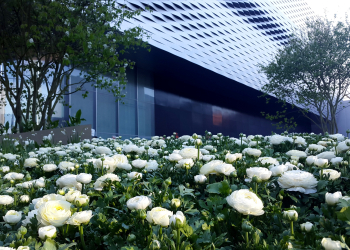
(43, 41)
(312, 72)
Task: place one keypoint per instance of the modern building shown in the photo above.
(202, 71)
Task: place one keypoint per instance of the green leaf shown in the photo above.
(321, 185)
(214, 188)
(49, 245)
(66, 246)
(186, 191)
(344, 214)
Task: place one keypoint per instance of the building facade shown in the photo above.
(202, 71)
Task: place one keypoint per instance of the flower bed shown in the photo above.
(284, 191)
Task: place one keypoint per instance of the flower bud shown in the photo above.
(290, 215)
(155, 245)
(333, 199)
(61, 192)
(177, 220)
(176, 203)
(22, 230)
(220, 217)
(306, 227)
(168, 181)
(141, 214)
(256, 179)
(247, 226)
(76, 166)
(131, 238)
(194, 136)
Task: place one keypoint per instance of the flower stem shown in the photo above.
(81, 232)
(321, 174)
(256, 188)
(247, 239)
(291, 228)
(178, 239)
(160, 232)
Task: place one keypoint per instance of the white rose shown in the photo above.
(333, 174)
(151, 165)
(5, 169)
(178, 216)
(66, 166)
(125, 166)
(246, 202)
(297, 180)
(139, 202)
(252, 152)
(49, 197)
(10, 157)
(192, 153)
(338, 137)
(72, 195)
(342, 147)
(138, 163)
(159, 216)
(103, 150)
(298, 153)
(30, 215)
(330, 244)
(68, 180)
(12, 216)
(276, 139)
(225, 169)
(332, 199)
(268, 160)
(108, 161)
(39, 183)
(326, 155)
(174, 157)
(30, 162)
(230, 158)
(321, 162)
(134, 175)
(336, 160)
(13, 176)
(47, 232)
(185, 163)
(278, 170)
(100, 182)
(307, 226)
(24, 198)
(130, 148)
(209, 168)
(208, 157)
(79, 218)
(311, 159)
(6, 200)
(54, 213)
(200, 178)
(315, 147)
(84, 178)
(290, 215)
(262, 173)
(49, 167)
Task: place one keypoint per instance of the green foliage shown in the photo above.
(312, 72)
(44, 42)
(75, 120)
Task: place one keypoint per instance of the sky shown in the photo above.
(338, 7)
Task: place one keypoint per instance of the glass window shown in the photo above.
(107, 115)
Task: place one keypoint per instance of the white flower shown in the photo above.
(49, 167)
(101, 182)
(21, 248)
(125, 166)
(103, 150)
(72, 195)
(290, 215)
(84, 178)
(79, 218)
(138, 163)
(252, 151)
(130, 148)
(10, 157)
(30, 162)
(311, 159)
(12, 216)
(39, 183)
(225, 169)
(297, 180)
(321, 162)
(29, 217)
(300, 141)
(49, 197)
(268, 160)
(332, 199)
(13, 176)
(326, 155)
(200, 178)
(139, 202)
(159, 216)
(208, 157)
(134, 175)
(315, 147)
(323, 143)
(277, 139)
(5, 169)
(298, 153)
(185, 163)
(68, 180)
(66, 165)
(24, 198)
(338, 137)
(307, 226)
(333, 174)
(178, 216)
(209, 168)
(230, 158)
(174, 157)
(262, 173)
(47, 232)
(31, 40)
(336, 160)
(246, 202)
(6, 200)
(192, 153)
(152, 152)
(54, 213)
(151, 165)
(330, 244)
(342, 147)
(81, 200)
(278, 170)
